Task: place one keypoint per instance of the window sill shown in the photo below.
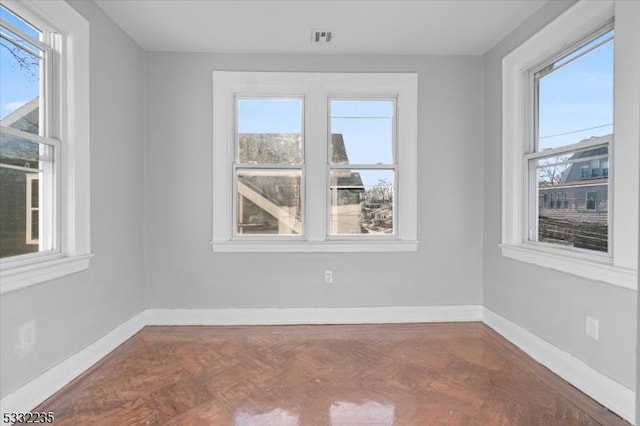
(584, 265)
(18, 277)
(313, 247)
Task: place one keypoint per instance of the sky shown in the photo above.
(575, 103)
(366, 127)
(17, 85)
(576, 96)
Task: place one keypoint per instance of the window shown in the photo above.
(558, 137)
(595, 169)
(28, 148)
(44, 126)
(584, 171)
(268, 167)
(32, 210)
(591, 200)
(362, 169)
(570, 138)
(314, 162)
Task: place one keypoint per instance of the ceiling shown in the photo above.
(418, 27)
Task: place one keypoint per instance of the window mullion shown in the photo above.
(266, 168)
(390, 166)
(317, 136)
(49, 210)
(531, 231)
(564, 149)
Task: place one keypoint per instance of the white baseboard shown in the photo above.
(610, 393)
(283, 316)
(42, 387)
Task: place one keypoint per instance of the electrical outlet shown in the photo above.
(328, 277)
(592, 328)
(26, 338)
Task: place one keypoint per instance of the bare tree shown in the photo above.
(550, 170)
(27, 62)
(382, 192)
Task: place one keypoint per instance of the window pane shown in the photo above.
(15, 229)
(20, 63)
(573, 198)
(575, 95)
(361, 202)
(13, 19)
(362, 131)
(21, 152)
(268, 202)
(24, 167)
(35, 227)
(269, 131)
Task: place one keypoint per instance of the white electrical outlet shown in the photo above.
(592, 328)
(328, 277)
(26, 338)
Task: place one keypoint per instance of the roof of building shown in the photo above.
(574, 173)
(285, 148)
(17, 151)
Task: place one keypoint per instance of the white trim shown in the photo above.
(287, 316)
(27, 397)
(579, 20)
(624, 156)
(579, 146)
(610, 393)
(30, 177)
(291, 246)
(589, 266)
(23, 276)
(317, 89)
(73, 192)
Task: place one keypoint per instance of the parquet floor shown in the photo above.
(404, 374)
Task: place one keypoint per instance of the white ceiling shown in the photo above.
(418, 27)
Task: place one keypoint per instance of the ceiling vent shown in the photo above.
(320, 36)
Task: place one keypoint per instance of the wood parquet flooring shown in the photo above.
(392, 374)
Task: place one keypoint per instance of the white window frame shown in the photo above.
(316, 89)
(619, 265)
(68, 114)
(30, 209)
(237, 165)
(393, 166)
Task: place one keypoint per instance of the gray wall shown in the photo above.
(74, 311)
(182, 270)
(151, 213)
(550, 304)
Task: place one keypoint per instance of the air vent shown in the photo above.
(321, 36)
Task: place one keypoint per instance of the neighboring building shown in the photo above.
(355, 209)
(574, 209)
(271, 203)
(19, 189)
(347, 198)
